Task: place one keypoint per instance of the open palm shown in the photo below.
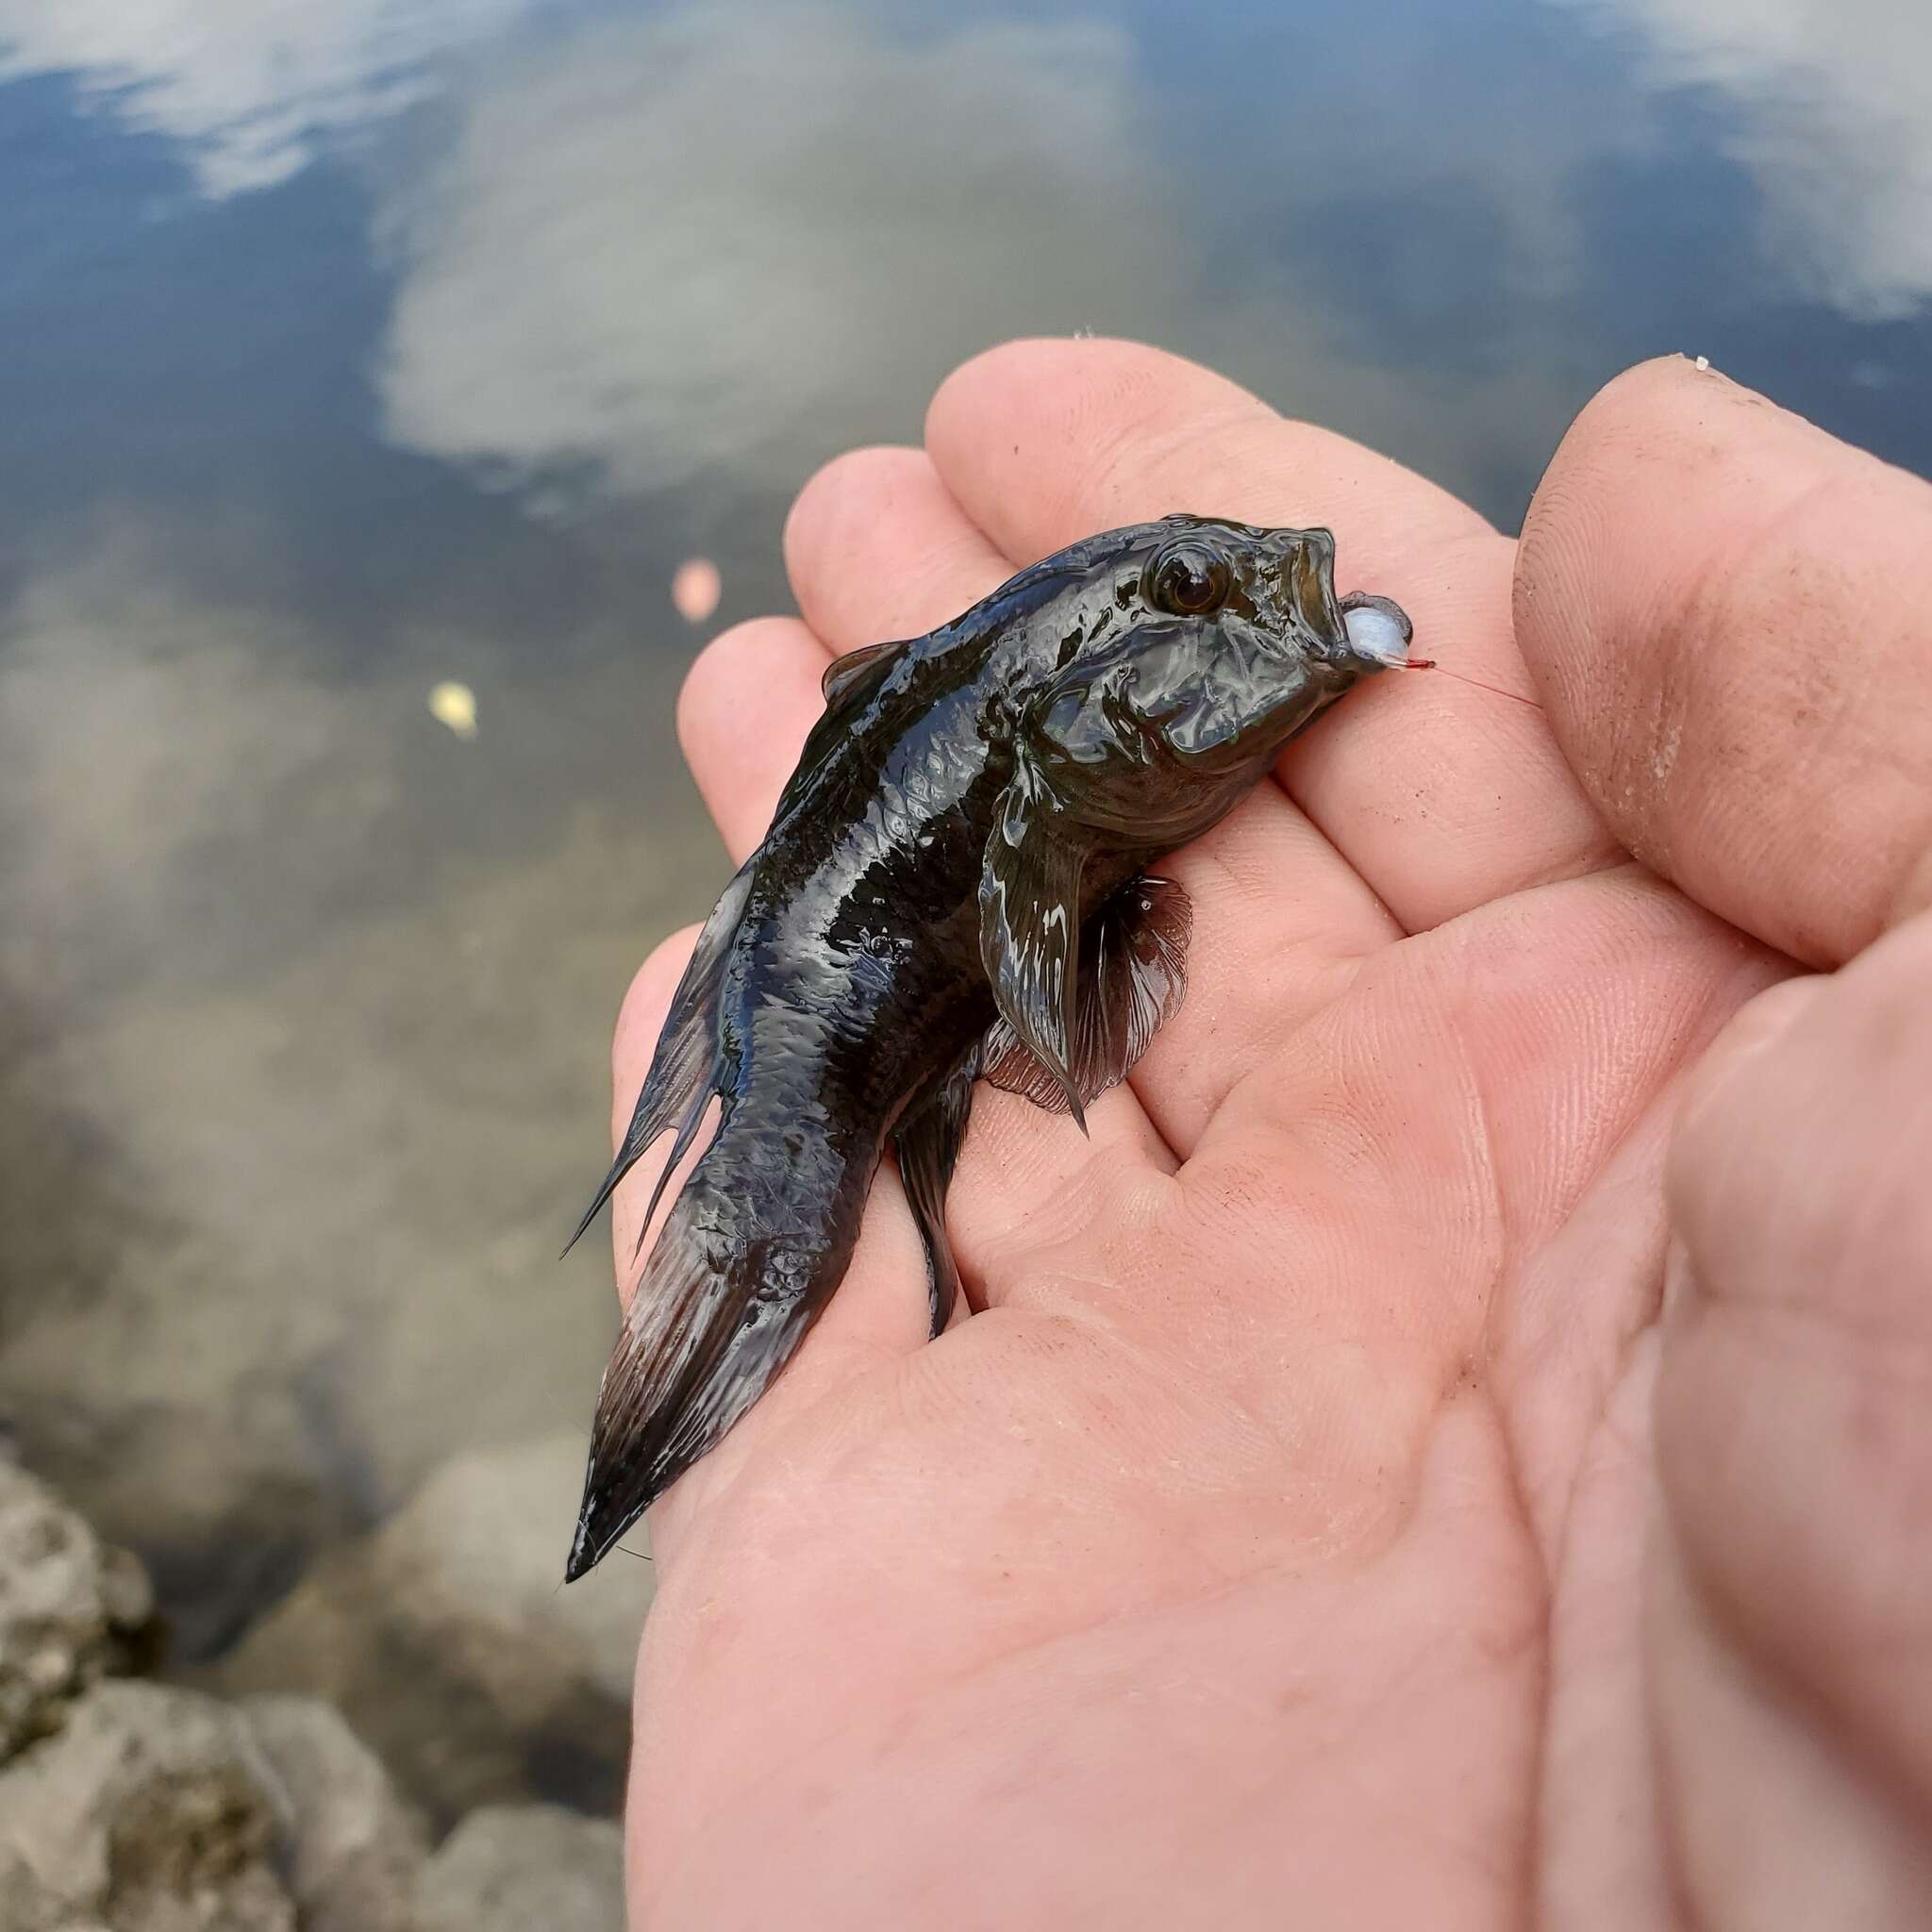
(1269, 1543)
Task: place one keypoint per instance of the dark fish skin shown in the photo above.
(952, 886)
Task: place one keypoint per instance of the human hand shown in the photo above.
(1287, 1535)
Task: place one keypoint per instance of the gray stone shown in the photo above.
(524, 1868)
(352, 1847)
(152, 1809)
(446, 1641)
(70, 1607)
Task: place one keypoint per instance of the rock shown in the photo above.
(446, 1639)
(352, 1847)
(71, 1609)
(513, 1868)
(152, 1810)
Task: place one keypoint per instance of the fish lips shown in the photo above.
(1369, 629)
(1305, 578)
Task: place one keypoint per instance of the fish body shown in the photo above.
(954, 886)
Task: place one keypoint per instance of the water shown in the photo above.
(349, 348)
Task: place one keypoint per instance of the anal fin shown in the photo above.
(926, 1142)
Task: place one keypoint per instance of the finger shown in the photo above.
(1796, 1382)
(876, 545)
(1440, 794)
(742, 716)
(1724, 609)
(876, 548)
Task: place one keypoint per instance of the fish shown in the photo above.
(955, 886)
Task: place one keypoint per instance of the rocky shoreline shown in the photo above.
(248, 1802)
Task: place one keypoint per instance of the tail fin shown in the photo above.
(684, 1075)
(714, 1318)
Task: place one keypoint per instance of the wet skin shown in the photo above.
(952, 886)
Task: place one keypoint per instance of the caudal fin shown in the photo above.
(712, 1321)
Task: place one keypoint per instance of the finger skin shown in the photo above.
(1794, 1606)
(875, 548)
(1725, 613)
(746, 706)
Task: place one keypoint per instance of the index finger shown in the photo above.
(1723, 606)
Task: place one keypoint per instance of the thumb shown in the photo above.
(1790, 1639)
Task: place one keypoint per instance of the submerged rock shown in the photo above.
(152, 1810)
(157, 1810)
(131, 1806)
(71, 1609)
(514, 1868)
(444, 1638)
(351, 1848)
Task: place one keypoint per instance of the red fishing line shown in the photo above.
(1430, 664)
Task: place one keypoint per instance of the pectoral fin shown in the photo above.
(1029, 935)
(1132, 979)
(928, 1143)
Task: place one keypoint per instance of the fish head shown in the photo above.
(1158, 672)
(1201, 646)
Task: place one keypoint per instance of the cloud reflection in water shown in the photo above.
(737, 238)
(252, 87)
(1833, 118)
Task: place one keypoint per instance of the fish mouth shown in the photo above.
(1369, 628)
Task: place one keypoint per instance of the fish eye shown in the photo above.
(1188, 580)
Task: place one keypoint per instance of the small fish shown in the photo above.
(954, 887)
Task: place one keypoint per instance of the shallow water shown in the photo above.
(351, 348)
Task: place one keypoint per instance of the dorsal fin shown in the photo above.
(848, 681)
(684, 1069)
(928, 1143)
(849, 677)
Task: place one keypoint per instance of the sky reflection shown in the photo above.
(592, 252)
